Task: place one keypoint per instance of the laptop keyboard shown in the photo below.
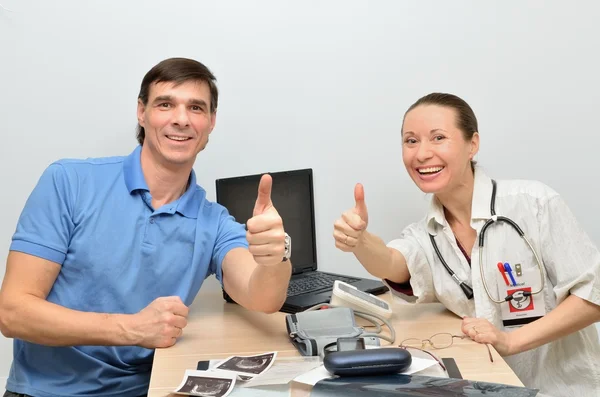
(315, 282)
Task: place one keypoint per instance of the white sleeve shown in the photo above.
(571, 259)
(420, 287)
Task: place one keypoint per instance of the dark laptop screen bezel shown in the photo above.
(278, 176)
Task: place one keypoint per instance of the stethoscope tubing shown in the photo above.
(468, 290)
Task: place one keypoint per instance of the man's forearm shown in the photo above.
(268, 285)
(570, 316)
(39, 321)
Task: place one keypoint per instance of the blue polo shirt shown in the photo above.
(117, 254)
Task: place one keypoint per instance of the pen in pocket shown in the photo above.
(501, 268)
(509, 271)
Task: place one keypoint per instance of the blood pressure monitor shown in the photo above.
(347, 295)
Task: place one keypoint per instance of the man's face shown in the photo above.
(177, 120)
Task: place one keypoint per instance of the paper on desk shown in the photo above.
(261, 391)
(419, 364)
(245, 367)
(319, 373)
(284, 370)
(312, 377)
(205, 383)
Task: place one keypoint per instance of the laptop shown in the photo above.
(292, 196)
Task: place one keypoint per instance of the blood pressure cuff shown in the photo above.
(311, 331)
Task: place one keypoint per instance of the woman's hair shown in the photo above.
(465, 117)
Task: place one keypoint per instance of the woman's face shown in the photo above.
(435, 152)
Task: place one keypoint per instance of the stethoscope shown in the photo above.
(467, 288)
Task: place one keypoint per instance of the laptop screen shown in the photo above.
(292, 196)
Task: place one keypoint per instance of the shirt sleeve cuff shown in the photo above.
(224, 251)
(404, 288)
(419, 288)
(589, 293)
(38, 250)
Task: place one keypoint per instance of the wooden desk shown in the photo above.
(217, 329)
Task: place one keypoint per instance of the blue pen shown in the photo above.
(509, 271)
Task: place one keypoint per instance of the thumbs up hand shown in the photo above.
(348, 230)
(265, 235)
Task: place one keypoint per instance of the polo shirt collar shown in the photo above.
(187, 205)
(132, 171)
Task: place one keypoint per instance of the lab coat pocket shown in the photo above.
(522, 287)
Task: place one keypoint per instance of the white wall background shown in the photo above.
(321, 84)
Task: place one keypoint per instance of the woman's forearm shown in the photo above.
(381, 261)
(570, 316)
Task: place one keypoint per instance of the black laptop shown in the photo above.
(292, 196)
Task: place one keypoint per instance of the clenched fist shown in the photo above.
(348, 230)
(160, 323)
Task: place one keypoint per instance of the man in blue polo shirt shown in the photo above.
(109, 252)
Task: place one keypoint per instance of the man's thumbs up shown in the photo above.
(266, 236)
(360, 208)
(263, 201)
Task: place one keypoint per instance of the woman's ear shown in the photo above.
(474, 145)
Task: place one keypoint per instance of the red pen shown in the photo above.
(501, 268)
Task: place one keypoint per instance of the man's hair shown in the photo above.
(178, 71)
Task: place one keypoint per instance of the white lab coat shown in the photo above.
(567, 367)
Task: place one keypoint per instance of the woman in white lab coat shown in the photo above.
(539, 315)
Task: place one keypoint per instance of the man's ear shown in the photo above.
(474, 145)
(213, 120)
(141, 110)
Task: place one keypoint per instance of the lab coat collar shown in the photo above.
(482, 196)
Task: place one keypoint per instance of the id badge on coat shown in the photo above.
(521, 309)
